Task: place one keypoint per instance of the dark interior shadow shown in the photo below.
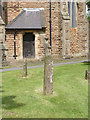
(8, 102)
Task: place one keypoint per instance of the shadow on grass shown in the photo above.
(86, 62)
(8, 102)
(1, 89)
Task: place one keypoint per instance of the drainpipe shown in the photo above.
(50, 25)
(15, 45)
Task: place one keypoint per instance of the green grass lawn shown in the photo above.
(23, 97)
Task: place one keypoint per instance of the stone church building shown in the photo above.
(26, 24)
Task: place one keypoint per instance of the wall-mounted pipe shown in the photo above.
(50, 26)
(15, 45)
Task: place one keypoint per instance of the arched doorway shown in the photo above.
(28, 45)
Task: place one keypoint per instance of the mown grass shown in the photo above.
(89, 18)
(23, 97)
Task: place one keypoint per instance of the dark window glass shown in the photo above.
(73, 14)
(69, 3)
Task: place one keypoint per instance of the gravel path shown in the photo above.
(41, 66)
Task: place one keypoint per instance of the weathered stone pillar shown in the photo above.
(48, 69)
(3, 48)
(65, 30)
(66, 36)
(25, 68)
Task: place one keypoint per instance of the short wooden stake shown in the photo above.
(87, 75)
(25, 68)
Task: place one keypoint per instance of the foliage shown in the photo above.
(23, 97)
(89, 18)
(88, 2)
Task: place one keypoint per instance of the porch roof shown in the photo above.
(29, 18)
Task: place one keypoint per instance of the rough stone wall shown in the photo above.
(2, 39)
(56, 30)
(60, 30)
(82, 30)
(14, 8)
(10, 43)
(66, 41)
(65, 31)
(3, 48)
(39, 46)
(79, 35)
(73, 42)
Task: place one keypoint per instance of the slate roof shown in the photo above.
(29, 18)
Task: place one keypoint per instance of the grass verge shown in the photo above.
(23, 97)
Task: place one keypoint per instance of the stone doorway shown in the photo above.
(29, 45)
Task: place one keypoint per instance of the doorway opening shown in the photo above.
(29, 45)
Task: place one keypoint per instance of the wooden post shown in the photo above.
(25, 68)
(86, 74)
(48, 70)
